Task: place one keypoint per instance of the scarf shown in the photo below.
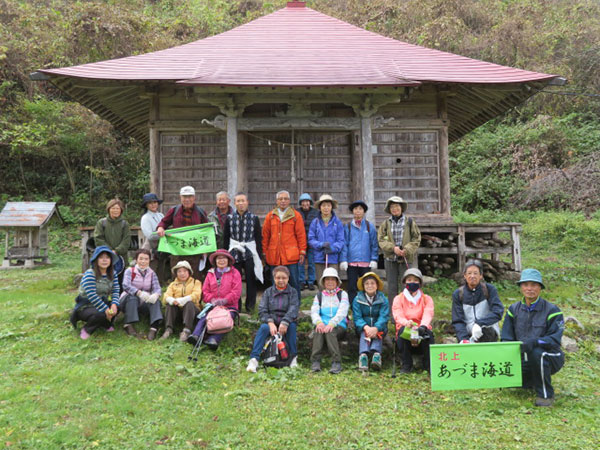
(413, 299)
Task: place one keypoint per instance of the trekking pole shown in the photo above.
(405, 262)
(196, 349)
(394, 357)
(326, 260)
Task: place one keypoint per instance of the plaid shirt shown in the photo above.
(398, 232)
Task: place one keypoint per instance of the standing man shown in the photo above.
(184, 215)
(220, 214)
(242, 236)
(399, 239)
(360, 251)
(307, 279)
(284, 238)
(476, 307)
(539, 325)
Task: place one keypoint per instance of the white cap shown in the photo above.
(187, 190)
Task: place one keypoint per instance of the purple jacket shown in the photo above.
(134, 281)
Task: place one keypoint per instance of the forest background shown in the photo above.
(537, 164)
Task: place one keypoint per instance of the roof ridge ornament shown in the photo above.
(296, 4)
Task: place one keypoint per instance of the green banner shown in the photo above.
(475, 366)
(192, 240)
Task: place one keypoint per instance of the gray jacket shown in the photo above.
(279, 306)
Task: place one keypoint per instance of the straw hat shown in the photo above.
(395, 199)
(326, 198)
(361, 280)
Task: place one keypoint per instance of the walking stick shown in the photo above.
(326, 260)
(394, 357)
(405, 262)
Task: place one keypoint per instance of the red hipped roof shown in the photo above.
(299, 47)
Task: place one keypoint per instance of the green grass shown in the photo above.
(111, 391)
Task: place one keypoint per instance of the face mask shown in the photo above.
(413, 287)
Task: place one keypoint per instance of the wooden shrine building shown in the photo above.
(302, 101)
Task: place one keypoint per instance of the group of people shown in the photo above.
(302, 246)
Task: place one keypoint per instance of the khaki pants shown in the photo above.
(331, 340)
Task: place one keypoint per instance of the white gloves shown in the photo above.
(344, 266)
(143, 295)
(476, 332)
(170, 300)
(152, 298)
(373, 265)
(183, 300)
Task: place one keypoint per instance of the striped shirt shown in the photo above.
(89, 287)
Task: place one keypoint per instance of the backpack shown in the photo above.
(270, 355)
(219, 321)
(320, 296)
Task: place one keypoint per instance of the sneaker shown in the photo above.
(130, 330)
(376, 361)
(84, 334)
(304, 287)
(294, 362)
(212, 343)
(184, 335)
(540, 401)
(405, 369)
(110, 329)
(152, 334)
(315, 366)
(252, 365)
(336, 367)
(167, 334)
(363, 362)
(314, 287)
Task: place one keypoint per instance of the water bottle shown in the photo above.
(282, 348)
(414, 337)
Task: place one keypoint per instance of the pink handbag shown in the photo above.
(219, 320)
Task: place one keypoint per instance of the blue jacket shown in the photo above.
(375, 315)
(360, 245)
(333, 233)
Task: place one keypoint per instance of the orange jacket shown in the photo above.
(283, 240)
(421, 313)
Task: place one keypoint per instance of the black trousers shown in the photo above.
(354, 273)
(93, 319)
(247, 267)
(407, 350)
(538, 368)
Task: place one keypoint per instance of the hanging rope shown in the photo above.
(310, 145)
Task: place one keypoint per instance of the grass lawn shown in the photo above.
(112, 391)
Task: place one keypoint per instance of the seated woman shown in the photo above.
(278, 310)
(182, 299)
(141, 290)
(98, 301)
(113, 231)
(222, 287)
(371, 312)
(328, 314)
(413, 311)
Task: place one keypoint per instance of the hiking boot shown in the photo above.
(363, 362)
(193, 339)
(336, 367)
(212, 343)
(540, 401)
(152, 334)
(294, 363)
(304, 286)
(376, 361)
(130, 330)
(315, 366)
(84, 334)
(167, 334)
(184, 335)
(252, 365)
(314, 287)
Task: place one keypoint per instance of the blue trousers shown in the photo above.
(263, 333)
(365, 346)
(308, 275)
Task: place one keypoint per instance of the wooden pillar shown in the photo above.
(444, 164)
(155, 166)
(367, 167)
(29, 260)
(516, 250)
(232, 156)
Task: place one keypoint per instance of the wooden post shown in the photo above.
(367, 167)
(29, 260)
(155, 166)
(232, 156)
(357, 166)
(6, 261)
(444, 164)
(461, 249)
(516, 250)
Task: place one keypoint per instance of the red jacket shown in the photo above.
(172, 220)
(283, 240)
(421, 313)
(230, 287)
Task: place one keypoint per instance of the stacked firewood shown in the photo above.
(481, 242)
(496, 270)
(432, 265)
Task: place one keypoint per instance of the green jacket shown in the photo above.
(115, 234)
(411, 239)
